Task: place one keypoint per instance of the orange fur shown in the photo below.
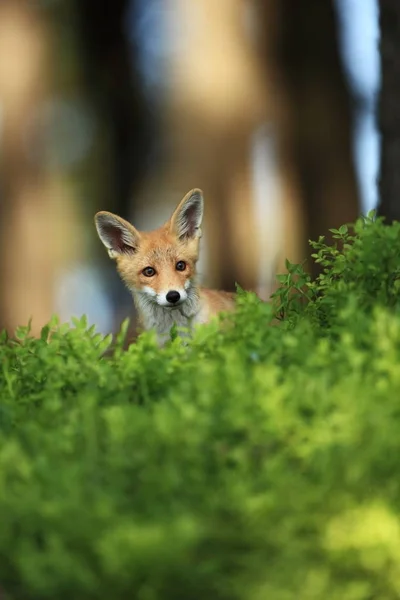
(157, 263)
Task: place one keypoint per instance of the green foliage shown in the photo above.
(255, 462)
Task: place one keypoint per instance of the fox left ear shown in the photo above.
(187, 218)
(117, 235)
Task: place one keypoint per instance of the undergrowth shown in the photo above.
(259, 461)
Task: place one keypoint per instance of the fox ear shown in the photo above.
(187, 218)
(118, 236)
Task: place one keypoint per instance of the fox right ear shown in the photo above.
(118, 236)
(187, 218)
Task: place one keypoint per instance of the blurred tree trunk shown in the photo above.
(112, 82)
(389, 115)
(313, 112)
(28, 252)
(214, 103)
(113, 85)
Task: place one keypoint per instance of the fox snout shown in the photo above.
(173, 296)
(167, 299)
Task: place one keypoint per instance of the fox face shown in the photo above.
(158, 266)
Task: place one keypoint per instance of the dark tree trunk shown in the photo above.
(389, 111)
(315, 125)
(115, 87)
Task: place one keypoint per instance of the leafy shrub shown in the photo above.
(257, 462)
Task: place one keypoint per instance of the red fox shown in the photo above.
(159, 268)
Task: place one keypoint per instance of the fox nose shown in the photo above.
(173, 297)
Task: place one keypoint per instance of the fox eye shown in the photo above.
(149, 272)
(180, 265)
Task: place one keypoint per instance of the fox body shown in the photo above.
(159, 267)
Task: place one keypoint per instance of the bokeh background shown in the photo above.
(124, 105)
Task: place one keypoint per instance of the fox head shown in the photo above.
(159, 265)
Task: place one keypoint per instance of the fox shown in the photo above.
(159, 268)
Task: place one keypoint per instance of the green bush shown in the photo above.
(256, 462)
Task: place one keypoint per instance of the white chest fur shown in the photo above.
(161, 318)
